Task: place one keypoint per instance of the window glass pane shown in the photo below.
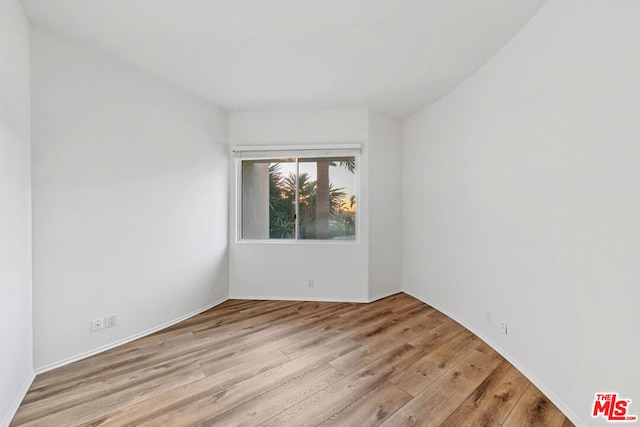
(327, 204)
(323, 208)
(268, 199)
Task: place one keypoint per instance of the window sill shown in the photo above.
(298, 242)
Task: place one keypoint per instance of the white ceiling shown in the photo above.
(396, 56)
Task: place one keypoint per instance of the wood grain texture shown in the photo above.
(394, 362)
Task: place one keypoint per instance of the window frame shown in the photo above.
(252, 152)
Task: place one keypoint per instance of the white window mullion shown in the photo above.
(297, 219)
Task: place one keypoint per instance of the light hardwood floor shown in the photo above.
(394, 362)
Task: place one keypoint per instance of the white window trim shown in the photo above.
(258, 152)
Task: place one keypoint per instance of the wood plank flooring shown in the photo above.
(394, 362)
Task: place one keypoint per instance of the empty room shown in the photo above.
(303, 213)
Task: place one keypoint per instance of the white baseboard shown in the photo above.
(314, 299)
(384, 295)
(301, 298)
(532, 378)
(114, 344)
(18, 400)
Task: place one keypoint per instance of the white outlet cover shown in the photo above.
(110, 321)
(503, 327)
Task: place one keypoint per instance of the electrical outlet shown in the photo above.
(503, 327)
(110, 321)
(97, 324)
(310, 283)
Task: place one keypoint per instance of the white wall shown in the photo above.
(385, 206)
(521, 198)
(282, 270)
(16, 357)
(129, 200)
